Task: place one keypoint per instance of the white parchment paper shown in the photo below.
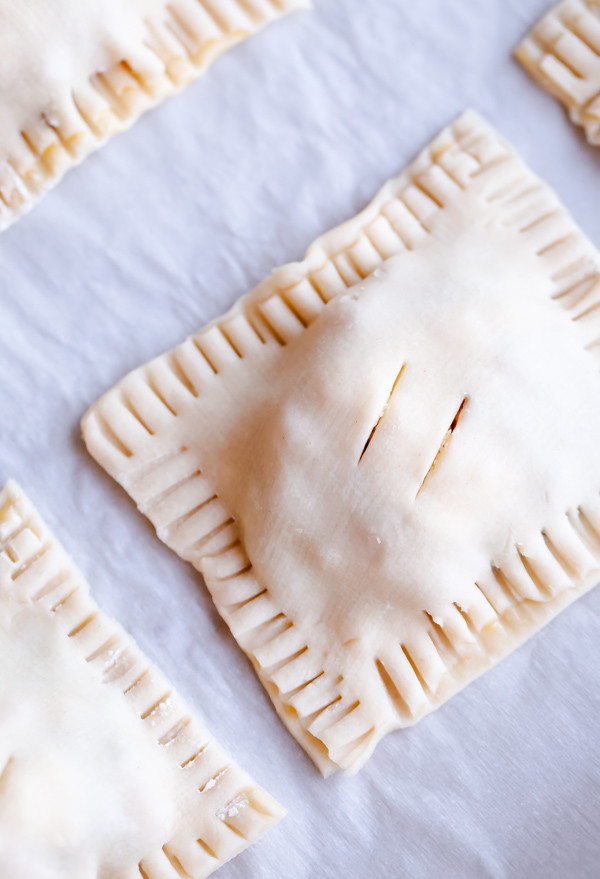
(161, 231)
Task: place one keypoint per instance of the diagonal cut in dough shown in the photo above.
(384, 459)
(74, 73)
(562, 53)
(104, 770)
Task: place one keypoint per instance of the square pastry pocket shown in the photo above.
(562, 53)
(384, 460)
(75, 72)
(104, 770)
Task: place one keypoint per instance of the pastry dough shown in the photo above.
(104, 771)
(562, 53)
(72, 73)
(384, 459)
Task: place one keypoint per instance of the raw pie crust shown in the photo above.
(104, 771)
(562, 53)
(384, 460)
(74, 72)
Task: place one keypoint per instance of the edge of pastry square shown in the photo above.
(562, 54)
(179, 46)
(224, 810)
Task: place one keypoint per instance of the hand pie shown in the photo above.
(562, 53)
(384, 460)
(104, 771)
(74, 72)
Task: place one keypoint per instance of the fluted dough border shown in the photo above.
(562, 53)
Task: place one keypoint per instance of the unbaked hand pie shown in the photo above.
(562, 53)
(74, 72)
(384, 460)
(105, 773)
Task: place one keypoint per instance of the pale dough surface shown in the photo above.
(73, 72)
(52, 49)
(81, 785)
(380, 534)
(384, 459)
(153, 237)
(562, 53)
(104, 772)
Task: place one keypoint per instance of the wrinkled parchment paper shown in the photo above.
(161, 231)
